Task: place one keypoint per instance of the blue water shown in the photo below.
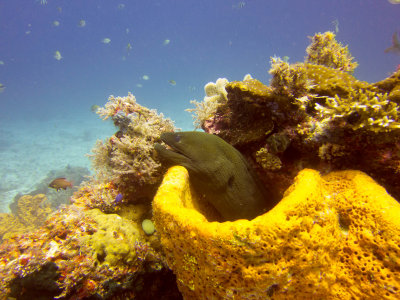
(208, 39)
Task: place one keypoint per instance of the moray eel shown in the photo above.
(218, 172)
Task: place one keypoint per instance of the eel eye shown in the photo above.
(177, 138)
(230, 181)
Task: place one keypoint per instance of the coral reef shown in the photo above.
(127, 158)
(100, 195)
(314, 105)
(330, 237)
(28, 212)
(31, 210)
(89, 252)
(9, 225)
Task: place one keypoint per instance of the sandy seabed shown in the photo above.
(29, 150)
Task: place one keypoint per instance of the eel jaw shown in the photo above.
(171, 154)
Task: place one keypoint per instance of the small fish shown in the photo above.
(106, 41)
(2, 87)
(145, 77)
(57, 55)
(139, 85)
(172, 82)
(56, 23)
(82, 23)
(336, 24)
(60, 183)
(121, 6)
(94, 108)
(394, 1)
(1, 63)
(128, 47)
(395, 48)
(127, 30)
(118, 198)
(239, 5)
(166, 42)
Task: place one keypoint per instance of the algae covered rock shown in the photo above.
(331, 237)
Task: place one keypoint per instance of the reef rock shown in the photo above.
(331, 237)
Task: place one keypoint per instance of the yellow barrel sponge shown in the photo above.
(330, 237)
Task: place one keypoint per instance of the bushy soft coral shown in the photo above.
(127, 158)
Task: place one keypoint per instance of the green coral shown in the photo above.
(325, 50)
(363, 109)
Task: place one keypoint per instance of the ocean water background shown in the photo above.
(45, 119)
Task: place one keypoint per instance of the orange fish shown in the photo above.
(60, 183)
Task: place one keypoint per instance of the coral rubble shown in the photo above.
(331, 237)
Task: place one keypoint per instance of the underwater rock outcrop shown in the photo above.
(331, 237)
(315, 115)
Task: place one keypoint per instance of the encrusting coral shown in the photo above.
(127, 158)
(331, 237)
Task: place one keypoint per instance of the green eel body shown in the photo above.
(218, 172)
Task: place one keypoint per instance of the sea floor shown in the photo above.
(32, 150)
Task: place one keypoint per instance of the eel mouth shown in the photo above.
(170, 152)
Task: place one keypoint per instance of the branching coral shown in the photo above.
(325, 50)
(369, 110)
